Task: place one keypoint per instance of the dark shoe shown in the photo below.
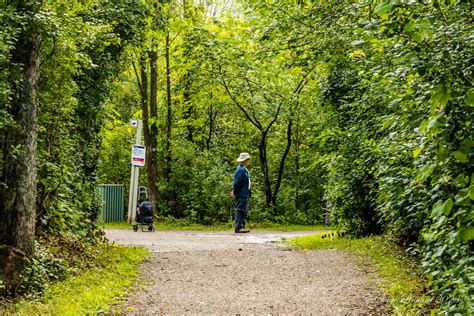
(242, 231)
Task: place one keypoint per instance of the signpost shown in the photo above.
(138, 160)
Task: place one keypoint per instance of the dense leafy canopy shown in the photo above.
(358, 112)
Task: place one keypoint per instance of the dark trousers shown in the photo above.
(242, 208)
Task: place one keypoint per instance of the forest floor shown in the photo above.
(227, 273)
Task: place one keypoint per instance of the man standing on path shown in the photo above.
(241, 192)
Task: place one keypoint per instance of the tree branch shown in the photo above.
(252, 96)
(274, 118)
(136, 74)
(224, 83)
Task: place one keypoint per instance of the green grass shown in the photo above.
(282, 227)
(90, 290)
(389, 265)
(185, 225)
(177, 225)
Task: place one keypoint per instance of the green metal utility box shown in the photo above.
(112, 202)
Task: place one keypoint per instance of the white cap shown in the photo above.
(243, 157)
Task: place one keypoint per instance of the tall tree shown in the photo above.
(152, 165)
(148, 101)
(18, 194)
(169, 110)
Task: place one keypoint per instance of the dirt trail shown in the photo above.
(225, 273)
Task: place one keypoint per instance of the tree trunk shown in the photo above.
(262, 149)
(293, 108)
(169, 113)
(189, 108)
(297, 163)
(143, 85)
(142, 79)
(283, 158)
(186, 5)
(152, 165)
(18, 195)
(212, 117)
(149, 117)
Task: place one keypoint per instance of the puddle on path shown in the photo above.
(166, 241)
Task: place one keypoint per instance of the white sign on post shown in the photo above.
(138, 155)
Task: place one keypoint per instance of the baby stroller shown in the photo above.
(144, 216)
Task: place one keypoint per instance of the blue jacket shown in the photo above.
(241, 182)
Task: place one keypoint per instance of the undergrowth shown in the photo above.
(176, 224)
(96, 284)
(393, 269)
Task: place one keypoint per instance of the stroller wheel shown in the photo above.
(150, 227)
(135, 227)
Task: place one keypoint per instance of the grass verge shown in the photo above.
(185, 225)
(389, 265)
(89, 291)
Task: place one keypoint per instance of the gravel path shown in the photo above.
(224, 273)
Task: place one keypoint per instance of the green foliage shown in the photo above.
(91, 289)
(205, 189)
(114, 157)
(57, 258)
(43, 269)
(435, 192)
(395, 140)
(83, 46)
(360, 111)
(8, 33)
(80, 61)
